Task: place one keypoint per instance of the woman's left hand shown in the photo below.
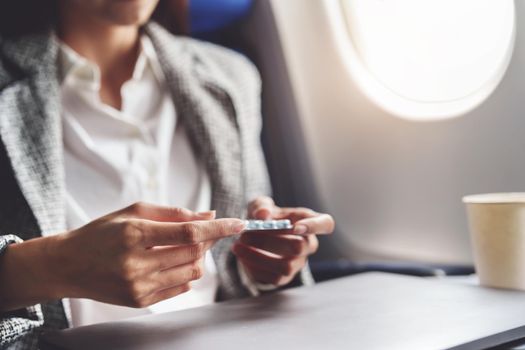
(276, 257)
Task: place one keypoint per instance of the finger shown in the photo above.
(263, 276)
(312, 243)
(154, 212)
(265, 260)
(162, 258)
(178, 275)
(320, 224)
(209, 244)
(294, 214)
(165, 257)
(283, 245)
(187, 233)
(164, 294)
(261, 208)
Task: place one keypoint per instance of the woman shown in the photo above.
(101, 110)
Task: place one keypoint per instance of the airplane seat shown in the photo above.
(249, 27)
(209, 17)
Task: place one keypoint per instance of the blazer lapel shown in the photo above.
(30, 127)
(206, 107)
(207, 111)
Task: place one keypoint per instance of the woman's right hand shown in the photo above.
(134, 257)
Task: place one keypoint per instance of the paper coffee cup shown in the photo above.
(497, 231)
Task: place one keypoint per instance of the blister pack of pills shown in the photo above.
(267, 225)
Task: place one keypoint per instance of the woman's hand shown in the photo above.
(276, 257)
(134, 257)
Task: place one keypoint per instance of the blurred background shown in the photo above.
(384, 113)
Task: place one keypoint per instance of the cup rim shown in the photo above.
(495, 198)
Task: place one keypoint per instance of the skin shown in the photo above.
(106, 32)
(134, 257)
(276, 257)
(144, 253)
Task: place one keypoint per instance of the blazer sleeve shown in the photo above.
(246, 80)
(256, 169)
(14, 325)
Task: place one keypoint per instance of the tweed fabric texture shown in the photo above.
(216, 94)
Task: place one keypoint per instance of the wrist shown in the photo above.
(52, 273)
(60, 261)
(28, 273)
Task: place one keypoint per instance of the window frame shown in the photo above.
(389, 100)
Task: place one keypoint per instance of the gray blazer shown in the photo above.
(216, 93)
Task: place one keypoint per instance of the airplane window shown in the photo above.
(427, 59)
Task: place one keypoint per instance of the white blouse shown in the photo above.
(114, 158)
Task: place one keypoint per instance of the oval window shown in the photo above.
(427, 59)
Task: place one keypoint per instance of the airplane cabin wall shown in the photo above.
(395, 186)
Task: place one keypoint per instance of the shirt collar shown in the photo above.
(77, 69)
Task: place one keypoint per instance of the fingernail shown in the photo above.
(262, 214)
(207, 214)
(238, 227)
(300, 229)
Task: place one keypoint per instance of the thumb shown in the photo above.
(261, 208)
